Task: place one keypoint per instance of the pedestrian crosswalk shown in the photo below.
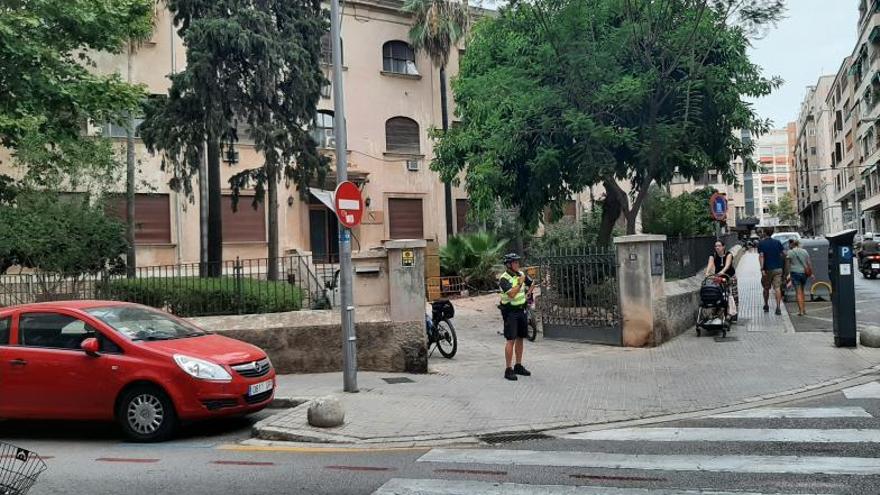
(703, 448)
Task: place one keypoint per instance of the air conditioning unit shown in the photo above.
(412, 165)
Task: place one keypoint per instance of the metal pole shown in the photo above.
(349, 338)
(857, 205)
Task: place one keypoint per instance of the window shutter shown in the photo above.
(246, 224)
(152, 217)
(405, 218)
(402, 136)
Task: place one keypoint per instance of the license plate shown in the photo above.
(259, 388)
(875, 266)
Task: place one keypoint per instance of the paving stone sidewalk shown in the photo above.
(572, 384)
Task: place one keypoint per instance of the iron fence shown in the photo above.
(579, 294)
(686, 256)
(240, 286)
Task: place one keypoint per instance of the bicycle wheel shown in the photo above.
(533, 328)
(447, 342)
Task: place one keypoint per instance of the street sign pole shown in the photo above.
(349, 339)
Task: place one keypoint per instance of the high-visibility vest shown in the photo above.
(520, 298)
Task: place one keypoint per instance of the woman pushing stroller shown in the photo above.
(721, 263)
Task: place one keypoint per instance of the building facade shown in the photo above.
(814, 175)
(772, 179)
(862, 177)
(392, 101)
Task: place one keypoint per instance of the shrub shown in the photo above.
(473, 257)
(683, 215)
(193, 296)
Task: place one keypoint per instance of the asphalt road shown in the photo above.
(762, 454)
(819, 318)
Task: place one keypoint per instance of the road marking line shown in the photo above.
(316, 450)
(360, 468)
(867, 391)
(243, 463)
(793, 435)
(613, 478)
(797, 412)
(399, 486)
(126, 459)
(721, 464)
(471, 471)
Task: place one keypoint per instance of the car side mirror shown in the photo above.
(91, 346)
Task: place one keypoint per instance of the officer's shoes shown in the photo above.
(521, 370)
(509, 374)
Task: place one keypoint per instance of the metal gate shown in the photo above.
(579, 298)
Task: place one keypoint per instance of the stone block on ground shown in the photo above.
(326, 412)
(869, 336)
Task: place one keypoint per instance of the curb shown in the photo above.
(263, 431)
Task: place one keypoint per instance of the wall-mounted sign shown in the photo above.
(407, 258)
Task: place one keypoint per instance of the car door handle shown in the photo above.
(18, 362)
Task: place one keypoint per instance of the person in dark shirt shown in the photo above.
(515, 287)
(772, 258)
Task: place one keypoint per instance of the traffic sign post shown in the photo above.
(718, 209)
(349, 204)
(349, 338)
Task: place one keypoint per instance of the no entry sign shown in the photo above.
(349, 204)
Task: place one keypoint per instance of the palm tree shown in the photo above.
(437, 27)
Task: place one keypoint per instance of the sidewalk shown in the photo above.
(572, 384)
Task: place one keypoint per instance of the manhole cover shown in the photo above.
(399, 379)
(512, 437)
(726, 339)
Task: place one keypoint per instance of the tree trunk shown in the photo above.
(130, 254)
(447, 187)
(203, 212)
(272, 183)
(215, 219)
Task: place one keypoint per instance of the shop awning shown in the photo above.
(324, 196)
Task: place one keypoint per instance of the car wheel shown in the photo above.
(146, 414)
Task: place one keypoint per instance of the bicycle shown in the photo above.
(19, 469)
(533, 320)
(441, 332)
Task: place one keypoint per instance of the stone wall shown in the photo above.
(677, 313)
(311, 341)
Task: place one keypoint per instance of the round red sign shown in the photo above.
(718, 207)
(349, 204)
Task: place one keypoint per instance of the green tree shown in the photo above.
(254, 61)
(684, 215)
(558, 95)
(437, 27)
(785, 210)
(473, 257)
(63, 238)
(47, 91)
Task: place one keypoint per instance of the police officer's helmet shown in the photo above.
(510, 258)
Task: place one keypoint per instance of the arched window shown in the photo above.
(327, 49)
(399, 58)
(402, 136)
(322, 130)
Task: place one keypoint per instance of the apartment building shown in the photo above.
(814, 177)
(773, 175)
(392, 101)
(855, 134)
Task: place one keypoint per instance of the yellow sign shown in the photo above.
(407, 257)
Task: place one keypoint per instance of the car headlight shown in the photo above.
(201, 369)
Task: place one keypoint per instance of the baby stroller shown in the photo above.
(714, 295)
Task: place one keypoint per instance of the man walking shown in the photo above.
(515, 287)
(772, 259)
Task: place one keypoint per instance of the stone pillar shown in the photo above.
(406, 279)
(641, 287)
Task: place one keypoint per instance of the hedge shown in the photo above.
(195, 296)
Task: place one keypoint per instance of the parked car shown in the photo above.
(146, 369)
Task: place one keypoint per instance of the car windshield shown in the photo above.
(139, 323)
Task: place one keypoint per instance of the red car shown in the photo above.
(103, 360)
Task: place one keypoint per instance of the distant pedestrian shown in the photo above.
(515, 287)
(772, 259)
(800, 269)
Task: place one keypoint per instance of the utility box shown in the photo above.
(820, 285)
(843, 291)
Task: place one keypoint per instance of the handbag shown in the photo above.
(808, 271)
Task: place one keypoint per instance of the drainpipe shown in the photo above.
(178, 208)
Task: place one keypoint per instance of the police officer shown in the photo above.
(515, 286)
